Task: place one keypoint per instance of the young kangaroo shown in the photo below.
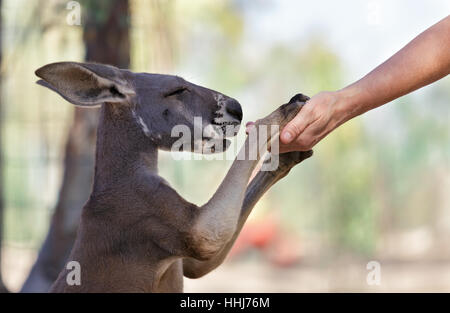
(137, 234)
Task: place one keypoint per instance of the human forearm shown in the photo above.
(422, 61)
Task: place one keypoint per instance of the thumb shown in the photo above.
(295, 127)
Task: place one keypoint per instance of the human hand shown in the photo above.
(318, 117)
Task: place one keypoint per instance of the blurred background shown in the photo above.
(376, 189)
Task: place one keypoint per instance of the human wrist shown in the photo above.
(348, 103)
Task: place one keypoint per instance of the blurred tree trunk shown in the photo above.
(2, 286)
(106, 38)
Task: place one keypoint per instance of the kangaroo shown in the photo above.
(136, 233)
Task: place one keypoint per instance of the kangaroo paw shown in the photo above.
(287, 161)
(284, 113)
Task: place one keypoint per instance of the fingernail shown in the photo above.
(287, 137)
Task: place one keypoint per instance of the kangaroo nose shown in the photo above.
(234, 109)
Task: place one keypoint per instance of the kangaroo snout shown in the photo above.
(233, 108)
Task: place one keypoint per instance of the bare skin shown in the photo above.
(422, 61)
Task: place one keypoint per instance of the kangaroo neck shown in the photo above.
(121, 149)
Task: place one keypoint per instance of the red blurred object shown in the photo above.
(263, 233)
(279, 247)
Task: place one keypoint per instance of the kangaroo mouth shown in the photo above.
(214, 139)
(222, 126)
(227, 119)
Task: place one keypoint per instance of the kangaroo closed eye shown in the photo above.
(177, 91)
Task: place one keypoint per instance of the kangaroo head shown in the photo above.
(162, 106)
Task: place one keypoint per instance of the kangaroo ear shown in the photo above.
(86, 84)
